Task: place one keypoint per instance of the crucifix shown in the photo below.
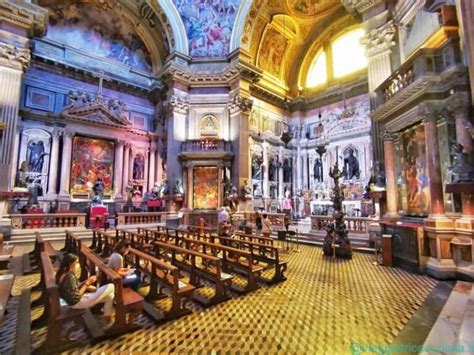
(101, 75)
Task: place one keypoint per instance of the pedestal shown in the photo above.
(97, 217)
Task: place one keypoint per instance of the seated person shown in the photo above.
(73, 292)
(130, 278)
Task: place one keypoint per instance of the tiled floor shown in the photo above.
(325, 306)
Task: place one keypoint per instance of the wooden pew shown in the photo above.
(40, 246)
(208, 267)
(72, 243)
(56, 316)
(103, 242)
(137, 240)
(233, 260)
(254, 238)
(127, 301)
(162, 275)
(262, 253)
(154, 235)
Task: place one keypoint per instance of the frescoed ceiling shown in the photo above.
(208, 25)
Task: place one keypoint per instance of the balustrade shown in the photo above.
(205, 145)
(48, 220)
(356, 225)
(126, 218)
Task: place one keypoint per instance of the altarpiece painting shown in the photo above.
(206, 188)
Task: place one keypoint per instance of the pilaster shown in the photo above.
(64, 196)
(118, 171)
(126, 167)
(390, 175)
(53, 167)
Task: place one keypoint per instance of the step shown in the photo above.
(466, 335)
(447, 328)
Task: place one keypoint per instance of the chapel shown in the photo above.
(236, 176)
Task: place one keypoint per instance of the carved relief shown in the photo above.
(14, 57)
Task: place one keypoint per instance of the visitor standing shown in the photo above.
(266, 226)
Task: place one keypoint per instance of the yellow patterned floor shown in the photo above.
(323, 307)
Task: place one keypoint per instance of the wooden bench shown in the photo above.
(254, 238)
(23, 332)
(56, 316)
(127, 301)
(72, 243)
(232, 260)
(208, 267)
(103, 242)
(262, 253)
(162, 275)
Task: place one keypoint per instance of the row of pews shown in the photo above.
(161, 256)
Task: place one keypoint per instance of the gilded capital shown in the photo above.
(359, 6)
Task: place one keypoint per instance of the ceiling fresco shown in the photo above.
(208, 25)
(112, 36)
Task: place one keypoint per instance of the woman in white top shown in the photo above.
(130, 278)
(266, 226)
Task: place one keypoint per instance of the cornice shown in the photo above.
(14, 57)
(30, 17)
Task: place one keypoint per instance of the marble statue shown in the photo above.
(164, 189)
(129, 191)
(462, 169)
(318, 170)
(155, 192)
(272, 170)
(34, 187)
(36, 156)
(138, 167)
(379, 175)
(178, 188)
(286, 171)
(246, 191)
(22, 175)
(98, 190)
(351, 166)
(256, 167)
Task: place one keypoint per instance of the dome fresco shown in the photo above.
(208, 25)
(84, 26)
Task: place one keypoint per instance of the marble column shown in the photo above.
(53, 166)
(126, 168)
(294, 175)
(304, 161)
(378, 43)
(158, 166)
(434, 166)
(16, 152)
(118, 171)
(146, 183)
(239, 110)
(299, 168)
(176, 121)
(459, 105)
(66, 165)
(281, 190)
(390, 175)
(152, 170)
(133, 152)
(265, 170)
(465, 15)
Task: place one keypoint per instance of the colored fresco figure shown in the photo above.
(84, 27)
(208, 25)
(36, 156)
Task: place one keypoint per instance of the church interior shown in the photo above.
(236, 176)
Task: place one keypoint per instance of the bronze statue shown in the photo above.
(351, 166)
(462, 169)
(318, 170)
(98, 190)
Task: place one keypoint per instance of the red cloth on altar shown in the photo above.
(98, 216)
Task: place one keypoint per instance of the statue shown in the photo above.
(178, 188)
(246, 191)
(138, 167)
(129, 191)
(257, 167)
(351, 166)
(272, 170)
(22, 176)
(462, 169)
(98, 190)
(34, 187)
(286, 171)
(164, 189)
(36, 156)
(155, 192)
(377, 178)
(318, 170)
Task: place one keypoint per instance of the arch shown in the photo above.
(179, 32)
(239, 25)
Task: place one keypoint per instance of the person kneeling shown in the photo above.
(130, 277)
(73, 292)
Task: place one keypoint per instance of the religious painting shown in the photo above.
(104, 33)
(208, 25)
(316, 130)
(91, 159)
(272, 51)
(415, 172)
(205, 188)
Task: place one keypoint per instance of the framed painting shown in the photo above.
(91, 159)
(205, 188)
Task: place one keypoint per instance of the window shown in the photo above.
(348, 54)
(317, 74)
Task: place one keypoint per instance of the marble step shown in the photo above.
(48, 236)
(450, 325)
(466, 334)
